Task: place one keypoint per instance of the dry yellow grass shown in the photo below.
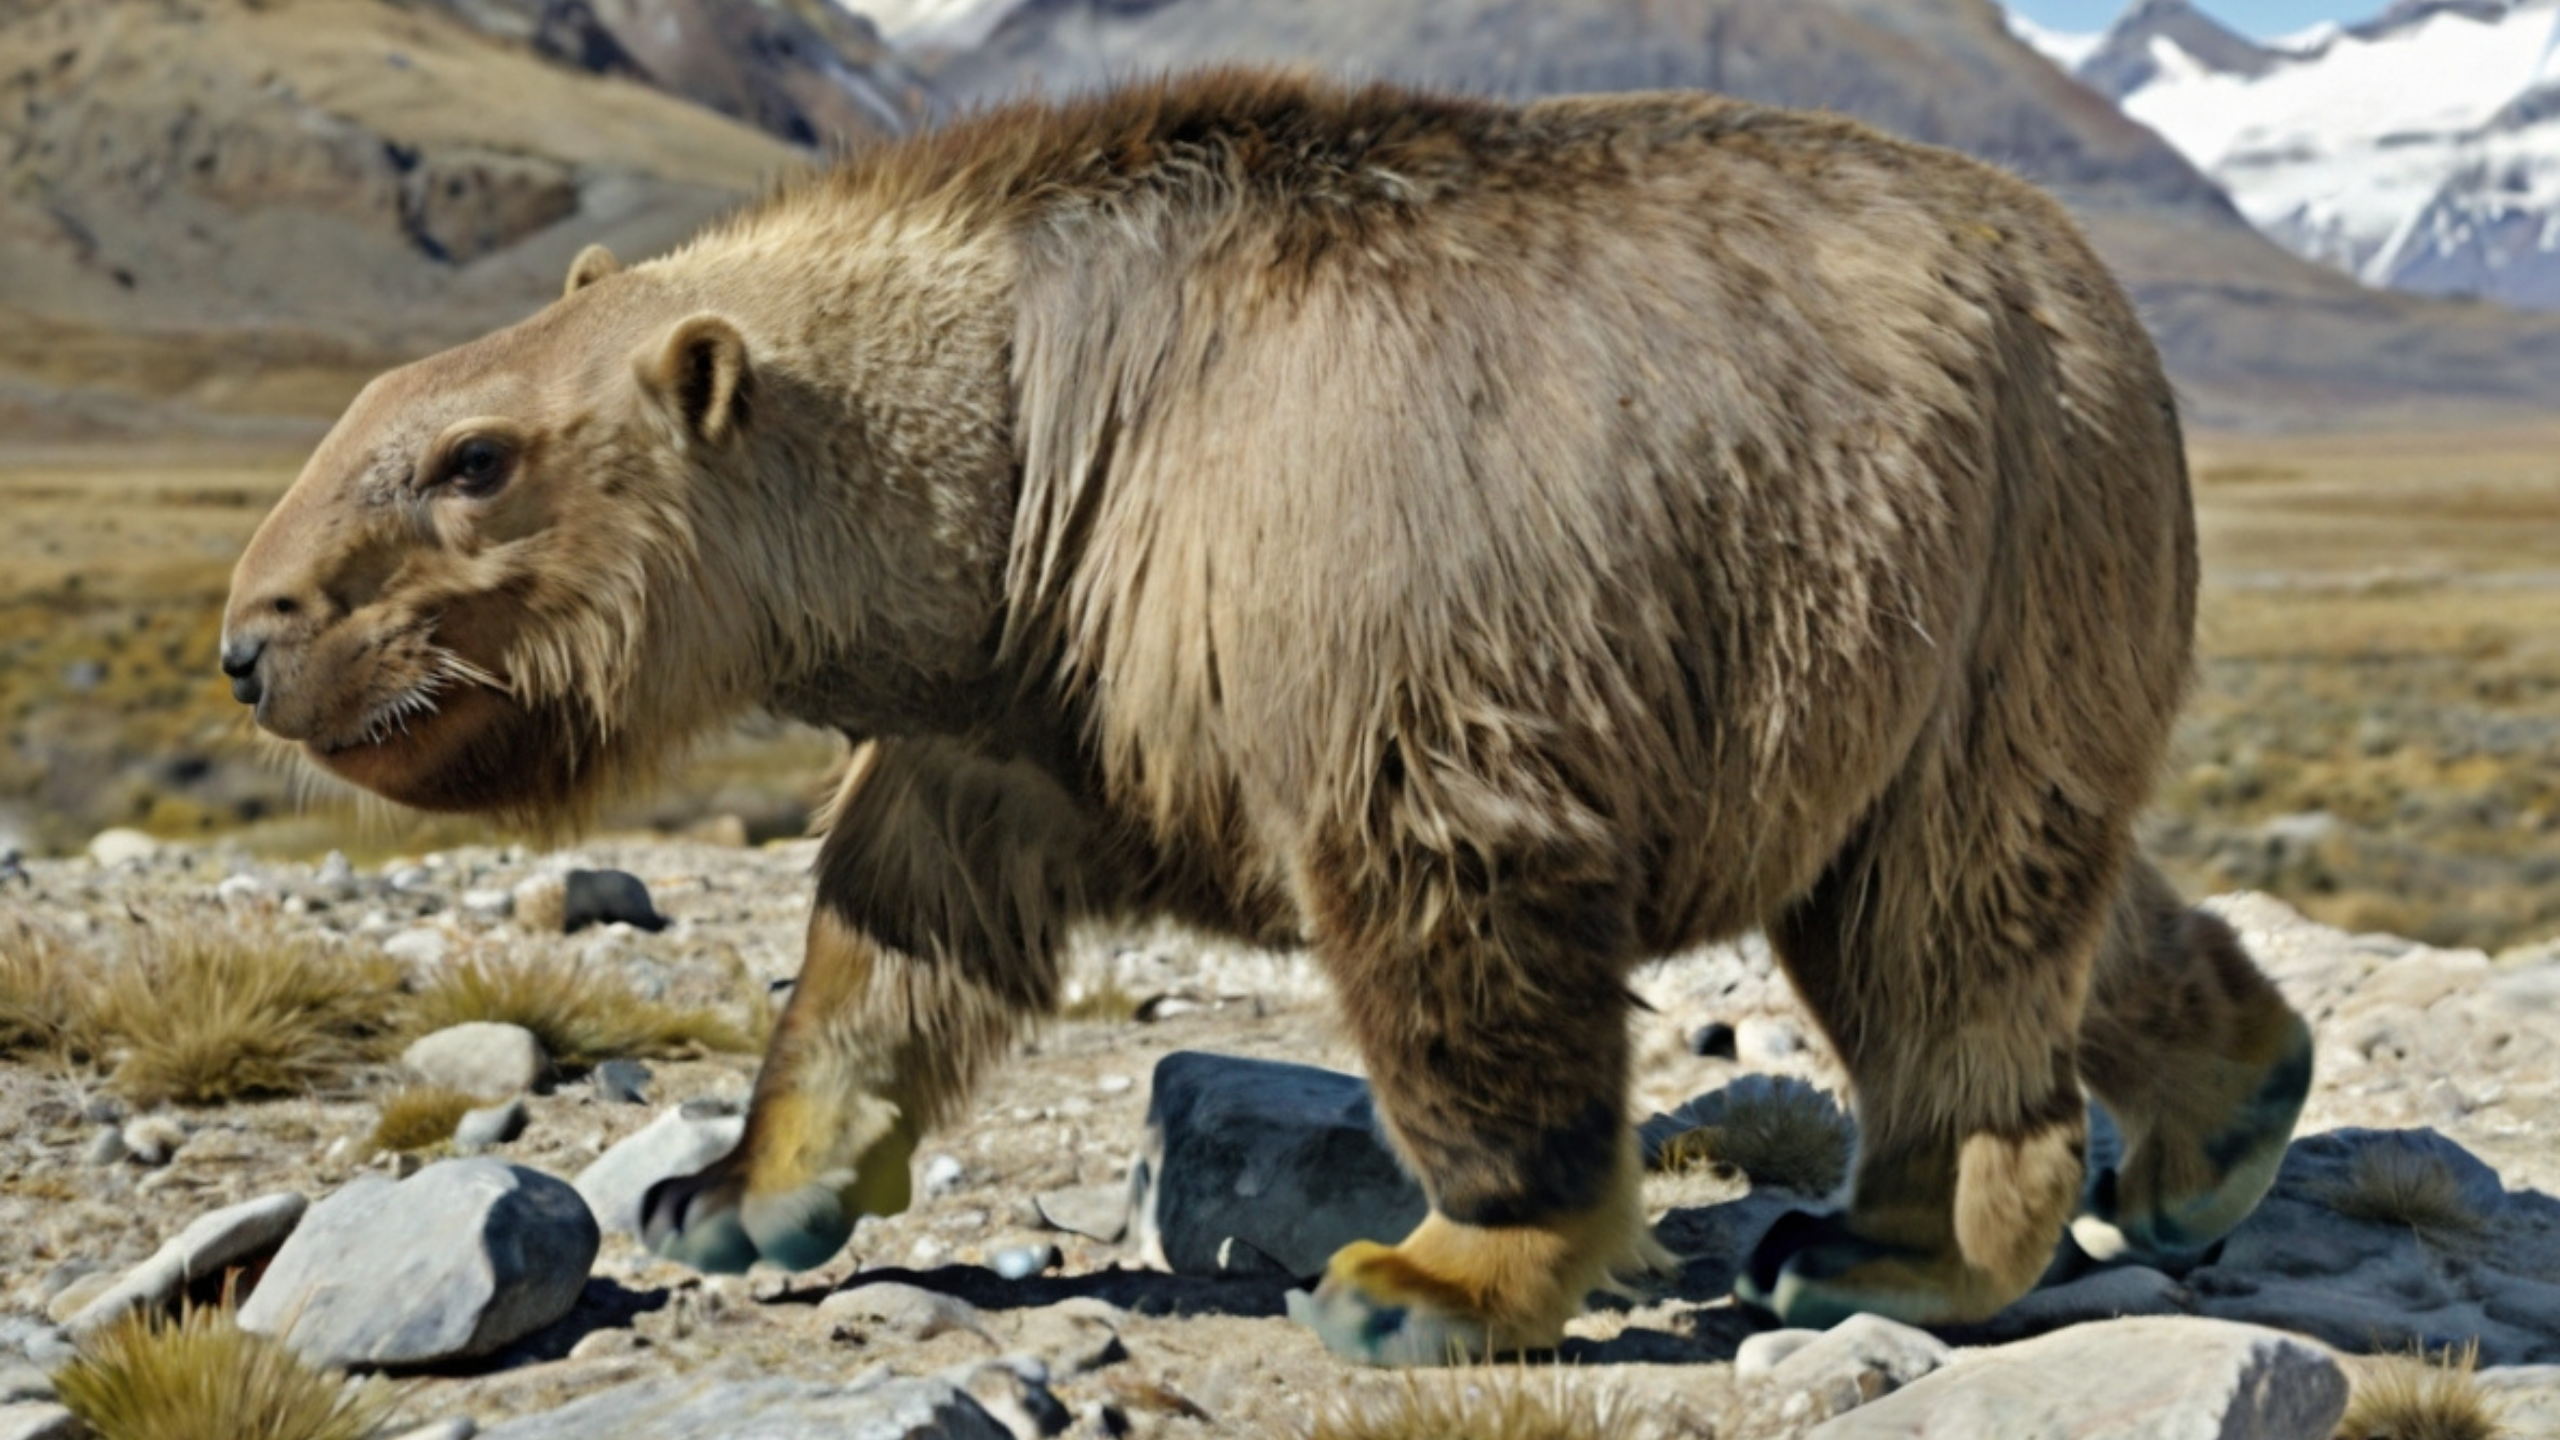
(202, 1375)
(2412, 1397)
(580, 1015)
(2401, 1185)
(1483, 1403)
(40, 982)
(420, 1117)
(1790, 1136)
(204, 1016)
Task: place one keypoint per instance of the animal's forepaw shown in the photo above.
(720, 1220)
(1813, 1271)
(2180, 1192)
(1376, 1306)
(693, 1220)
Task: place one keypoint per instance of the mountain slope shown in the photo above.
(199, 193)
(2418, 152)
(2253, 335)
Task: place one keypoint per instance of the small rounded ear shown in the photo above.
(700, 373)
(593, 264)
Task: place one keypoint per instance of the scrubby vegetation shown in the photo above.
(201, 1017)
(1788, 1135)
(146, 1378)
(581, 1015)
(2413, 1397)
(420, 1117)
(2406, 1186)
(1476, 1404)
(40, 983)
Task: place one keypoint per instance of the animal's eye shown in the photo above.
(478, 466)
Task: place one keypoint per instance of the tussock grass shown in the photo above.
(2401, 1185)
(1483, 1403)
(580, 1016)
(420, 1117)
(206, 1016)
(1787, 1135)
(146, 1378)
(2412, 1397)
(41, 981)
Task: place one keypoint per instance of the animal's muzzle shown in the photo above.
(240, 662)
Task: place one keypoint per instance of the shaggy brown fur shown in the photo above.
(1491, 545)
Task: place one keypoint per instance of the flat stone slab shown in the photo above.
(459, 1260)
(487, 1058)
(2150, 1378)
(208, 1243)
(711, 1408)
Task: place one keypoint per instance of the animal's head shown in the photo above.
(489, 588)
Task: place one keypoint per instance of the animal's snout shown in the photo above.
(240, 662)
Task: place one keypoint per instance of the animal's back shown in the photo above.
(1636, 477)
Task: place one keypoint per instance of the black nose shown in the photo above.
(240, 662)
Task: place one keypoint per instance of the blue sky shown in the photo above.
(2261, 18)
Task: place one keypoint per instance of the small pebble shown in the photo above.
(103, 1110)
(623, 1081)
(942, 1176)
(1021, 1262)
(154, 1139)
(490, 1125)
(106, 1147)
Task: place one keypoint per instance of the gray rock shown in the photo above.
(210, 1242)
(106, 1147)
(40, 1420)
(903, 1312)
(1761, 1353)
(701, 1407)
(490, 1125)
(1097, 1212)
(153, 1139)
(482, 1057)
(1858, 1360)
(488, 904)
(607, 897)
(673, 1144)
(421, 946)
(1015, 1394)
(48, 1348)
(457, 1261)
(460, 1427)
(1021, 1262)
(2101, 1295)
(20, 1383)
(111, 848)
(1258, 1166)
(2142, 1379)
(624, 1081)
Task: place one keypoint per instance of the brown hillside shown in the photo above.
(232, 202)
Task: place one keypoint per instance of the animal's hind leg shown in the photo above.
(1495, 1031)
(2204, 1068)
(1954, 1000)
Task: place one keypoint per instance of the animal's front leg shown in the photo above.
(941, 890)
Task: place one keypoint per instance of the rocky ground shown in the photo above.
(2415, 1210)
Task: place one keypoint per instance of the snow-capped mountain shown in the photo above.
(2419, 151)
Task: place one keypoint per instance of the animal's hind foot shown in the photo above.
(1814, 1271)
(1452, 1293)
(2183, 1187)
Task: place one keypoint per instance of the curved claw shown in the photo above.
(1370, 1309)
(694, 1219)
(719, 1219)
